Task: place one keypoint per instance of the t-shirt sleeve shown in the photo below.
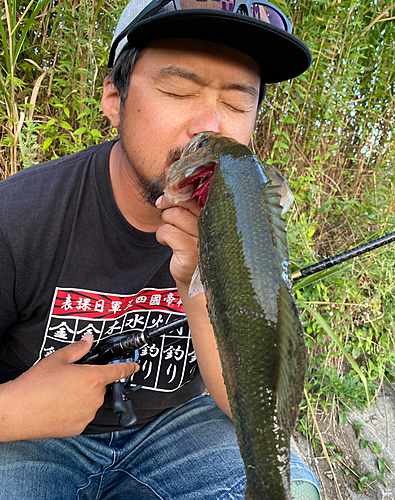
(8, 309)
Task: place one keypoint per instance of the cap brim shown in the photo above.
(280, 55)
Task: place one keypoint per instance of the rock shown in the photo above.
(375, 425)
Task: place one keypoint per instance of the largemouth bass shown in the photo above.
(244, 268)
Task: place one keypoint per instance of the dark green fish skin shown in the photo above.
(244, 268)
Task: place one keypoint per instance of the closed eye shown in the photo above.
(176, 96)
(233, 108)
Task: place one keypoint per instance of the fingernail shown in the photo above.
(159, 201)
(87, 337)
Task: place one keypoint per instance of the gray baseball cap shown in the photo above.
(265, 37)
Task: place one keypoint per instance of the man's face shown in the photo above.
(179, 88)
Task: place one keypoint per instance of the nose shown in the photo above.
(205, 119)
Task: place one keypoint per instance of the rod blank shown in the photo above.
(302, 273)
(342, 257)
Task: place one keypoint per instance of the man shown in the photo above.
(103, 253)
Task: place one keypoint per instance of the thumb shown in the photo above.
(75, 351)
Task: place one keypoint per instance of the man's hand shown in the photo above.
(179, 231)
(57, 398)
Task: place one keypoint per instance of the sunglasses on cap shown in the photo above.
(260, 10)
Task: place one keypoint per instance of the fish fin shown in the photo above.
(196, 285)
(271, 196)
(292, 355)
(287, 198)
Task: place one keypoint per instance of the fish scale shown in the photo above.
(244, 268)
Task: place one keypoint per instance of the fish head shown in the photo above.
(190, 177)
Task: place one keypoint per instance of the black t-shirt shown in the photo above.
(70, 263)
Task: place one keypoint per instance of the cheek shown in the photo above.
(155, 123)
(242, 131)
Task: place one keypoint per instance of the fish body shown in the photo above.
(244, 267)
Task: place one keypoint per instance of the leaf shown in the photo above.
(363, 444)
(66, 125)
(49, 123)
(376, 447)
(80, 131)
(48, 141)
(384, 480)
(96, 133)
(356, 352)
(381, 465)
(342, 419)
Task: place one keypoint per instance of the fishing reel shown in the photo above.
(112, 350)
(124, 348)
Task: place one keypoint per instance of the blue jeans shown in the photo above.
(187, 453)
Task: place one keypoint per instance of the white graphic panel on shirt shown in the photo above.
(165, 365)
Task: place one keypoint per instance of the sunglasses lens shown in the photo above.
(225, 5)
(267, 14)
(258, 10)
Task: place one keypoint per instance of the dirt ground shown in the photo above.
(378, 426)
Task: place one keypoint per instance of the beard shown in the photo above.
(150, 189)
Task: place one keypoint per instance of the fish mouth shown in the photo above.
(198, 184)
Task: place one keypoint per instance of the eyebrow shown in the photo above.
(248, 89)
(198, 79)
(182, 73)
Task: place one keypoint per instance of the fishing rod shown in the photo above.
(343, 257)
(122, 347)
(126, 347)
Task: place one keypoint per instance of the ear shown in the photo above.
(111, 102)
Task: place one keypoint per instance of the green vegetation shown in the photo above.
(53, 59)
(330, 132)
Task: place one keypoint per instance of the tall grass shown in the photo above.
(331, 132)
(53, 58)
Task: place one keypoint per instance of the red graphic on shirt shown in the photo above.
(88, 304)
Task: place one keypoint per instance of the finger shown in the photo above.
(178, 240)
(164, 203)
(185, 252)
(117, 371)
(75, 351)
(182, 219)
